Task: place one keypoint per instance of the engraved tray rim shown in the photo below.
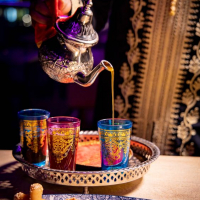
(89, 178)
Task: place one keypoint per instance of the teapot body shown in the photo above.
(64, 59)
(67, 57)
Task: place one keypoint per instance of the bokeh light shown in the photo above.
(27, 20)
(10, 14)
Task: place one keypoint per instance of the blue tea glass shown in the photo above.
(114, 137)
(33, 135)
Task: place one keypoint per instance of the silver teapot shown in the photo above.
(67, 57)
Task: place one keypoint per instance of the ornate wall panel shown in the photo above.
(161, 83)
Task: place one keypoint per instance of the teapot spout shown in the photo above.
(91, 77)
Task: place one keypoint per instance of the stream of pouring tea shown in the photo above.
(111, 69)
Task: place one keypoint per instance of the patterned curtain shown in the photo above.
(154, 47)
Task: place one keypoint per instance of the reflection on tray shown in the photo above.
(88, 156)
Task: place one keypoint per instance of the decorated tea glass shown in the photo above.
(33, 135)
(114, 135)
(63, 135)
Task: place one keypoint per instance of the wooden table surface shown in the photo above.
(169, 177)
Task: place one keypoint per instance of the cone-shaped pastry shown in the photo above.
(36, 191)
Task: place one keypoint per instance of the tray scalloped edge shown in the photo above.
(145, 149)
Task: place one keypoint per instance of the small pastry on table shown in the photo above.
(21, 196)
(36, 191)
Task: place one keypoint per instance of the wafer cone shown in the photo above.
(36, 191)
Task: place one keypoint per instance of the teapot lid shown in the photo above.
(79, 26)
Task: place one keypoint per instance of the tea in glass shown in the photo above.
(33, 135)
(63, 135)
(114, 137)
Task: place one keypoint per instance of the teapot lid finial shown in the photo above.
(79, 27)
(88, 4)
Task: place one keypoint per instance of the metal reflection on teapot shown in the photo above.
(67, 57)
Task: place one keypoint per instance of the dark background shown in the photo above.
(25, 85)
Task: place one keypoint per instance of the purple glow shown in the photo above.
(15, 4)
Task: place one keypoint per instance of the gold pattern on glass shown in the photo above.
(34, 130)
(77, 135)
(62, 142)
(21, 133)
(115, 142)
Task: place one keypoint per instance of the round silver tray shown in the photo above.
(144, 153)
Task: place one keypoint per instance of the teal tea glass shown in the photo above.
(115, 142)
(33, 135)
(63, 135)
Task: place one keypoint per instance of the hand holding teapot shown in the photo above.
(67, 57)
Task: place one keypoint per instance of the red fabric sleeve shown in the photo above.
(42, 31)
